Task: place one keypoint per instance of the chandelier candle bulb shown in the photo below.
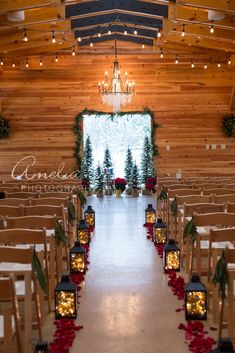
(195, 299)
(65, 299)
(83, 232)
(150, 214)
(171, 256)
(77, 258)
(159, 232)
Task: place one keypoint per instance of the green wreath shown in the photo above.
(4, 128)
(228, 125)
(77, 129)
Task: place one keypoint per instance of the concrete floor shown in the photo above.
(126, 304)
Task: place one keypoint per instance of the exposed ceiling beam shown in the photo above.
(218, 5)
(196, 15)
(198, 31)
(13, 5)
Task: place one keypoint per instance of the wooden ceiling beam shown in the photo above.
(198, 31)
(12, 5)
(202, 42)
(196, 15)
(217, 5)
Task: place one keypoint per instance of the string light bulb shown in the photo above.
(125, 32)
(53, 37)
(205, 65)
(2, 62)
(41, 63)
(143, 46)
(212, 28)
(135, 31)
(229, 61)
(176, 60)
(56, 59)
(79, 39)
(218, 65)
(192, 64)
(99, 34)
(13, 64)
(73, 52)
(183, 31)
(27, 63)
(109, 31)
(161, 54)
(91, 43)
(159, 33)
(25, 36)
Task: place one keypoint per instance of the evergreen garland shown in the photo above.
(128, 165)
(228, 125)
(77, 129)
(4, 128)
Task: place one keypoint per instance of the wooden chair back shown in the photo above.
(31, 222)
(55, 194)
(209, 185)
(8, 295)
(11, 211)
(22, 194)
(14, 202)
(192, 199)
(230, 207)
(218, 191)
(215, 219)
(202, 208)
(224, 198)
(183, 192)
(55, 201)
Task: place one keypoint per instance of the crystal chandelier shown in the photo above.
(118, 91)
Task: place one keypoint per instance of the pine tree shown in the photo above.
(128, 165)
(99, 179)
(145, 161)
(87, 160)
(135, 178)
(107, 163)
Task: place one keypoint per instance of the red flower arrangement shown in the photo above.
(120, 184)
(150, 184)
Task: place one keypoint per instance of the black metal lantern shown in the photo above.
(225, 345)
(195, 299)
(77, 258)
(89, 216)
(171, 256)
(83, 232)
(159, 232)
(65, 299)
(42, 347)
(150, 214)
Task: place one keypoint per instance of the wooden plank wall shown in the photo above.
(41, 104)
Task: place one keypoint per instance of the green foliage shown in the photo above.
(87, 160)
(60, 233)
(99, 179)
(40, 274)
(174, 208)
(190, 229)
(147, 161)
(228, 125)
(135, 178)
(82, 198)
(107, 163)
(4, 128)
(128, 165)
(221, 275)
(71, 212)
(163, 195)
(78, 130)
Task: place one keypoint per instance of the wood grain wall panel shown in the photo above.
(188, 104)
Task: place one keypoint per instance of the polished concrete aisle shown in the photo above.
(126, 305)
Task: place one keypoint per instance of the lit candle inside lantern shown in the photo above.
(65, 299)
(195, 300)
(150, 214)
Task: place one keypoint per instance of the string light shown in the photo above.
(192, 64)
(229, 61)
(218, 65)
(159, 33)
(91, 43)
(27, 63)
(135, 31)
(205, 65)
(125, 32)
(79, 39)
(161, 54)
(13, 63)
(99, 34)
(183, 31)
(109, 32)
(143, 46)
(176, 60)
(212, 28)
(56, 59)
(53, 37)
(25, 36)
(41, 63)
(73, 52)
(2, 62)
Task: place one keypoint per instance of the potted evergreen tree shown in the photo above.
(128, 170)
(108, 171)
(86, 164)
(135, 180)
(99, 182)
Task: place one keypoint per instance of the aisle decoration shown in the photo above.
(120, 185)
(89, 217)
(77, 258)
(196, 337)
(150, 184)
(195, 299)
(83, 233)
(159, 232)
(150, 214)
(171, 256)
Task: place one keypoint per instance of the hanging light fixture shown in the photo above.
(109, 31)
(53, 37)
(125, 32)
(161, 54)
(56, 59)
(192, 64)
(117, 92)
(73, 52)
(25, 39)
(212, 28)
(79, 39)
(2, 62)
(135, 31)
(159, 33)
(229, 61)
(13, 63)
(41, 62)
(183, 31)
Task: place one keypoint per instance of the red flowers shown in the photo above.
(177, 284)
(120, 183)
(150, 184)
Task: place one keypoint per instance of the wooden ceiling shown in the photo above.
(156, 24)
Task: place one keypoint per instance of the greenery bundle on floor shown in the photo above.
(228, 125)
(4, 128)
